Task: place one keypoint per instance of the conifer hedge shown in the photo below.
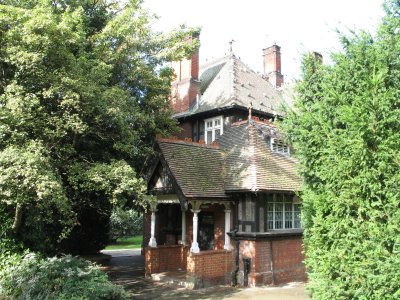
(346, 131)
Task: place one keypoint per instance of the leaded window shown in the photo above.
(283, 213)
(279, 146)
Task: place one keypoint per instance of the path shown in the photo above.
(127, 268)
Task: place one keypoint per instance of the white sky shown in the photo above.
(297, 26)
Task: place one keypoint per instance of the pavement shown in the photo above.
(126, 268)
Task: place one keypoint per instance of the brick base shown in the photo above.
(210, 267)
(283, 265)
(165, 258)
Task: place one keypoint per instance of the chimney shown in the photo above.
(272, 65)
(318, 56)
(186, 87)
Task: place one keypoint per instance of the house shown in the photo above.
(227, 210)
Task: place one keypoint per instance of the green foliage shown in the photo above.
(125, 223)
(65, 277)
(83, 92)
(346, 131)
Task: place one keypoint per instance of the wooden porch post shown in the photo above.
(227, 245)
(195, 246)
(153, 242)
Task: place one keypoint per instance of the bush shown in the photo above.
(65, 277)
(125, 223)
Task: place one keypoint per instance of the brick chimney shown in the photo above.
(272, 65)
(186, 86)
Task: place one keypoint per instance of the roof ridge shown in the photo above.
(188, 142)
(212, 62)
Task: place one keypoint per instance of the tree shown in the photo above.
(83, 92)
(346, 131)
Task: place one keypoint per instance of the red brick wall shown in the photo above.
(165, 258)
(183, 94)
(186, 131)
(272, 65)
(186, 86)
(287, 261)
(210, 267)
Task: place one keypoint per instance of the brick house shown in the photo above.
(226, 207)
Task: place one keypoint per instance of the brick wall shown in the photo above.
(210, 267)
(286, 264)
(165, 258)
(186, 130)
(288, 260)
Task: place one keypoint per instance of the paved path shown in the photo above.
(127, 268)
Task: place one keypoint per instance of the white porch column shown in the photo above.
(227, 245)
(184, 227)
(153, 242)
(195, 246)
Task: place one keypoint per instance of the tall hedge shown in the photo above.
(346, 130)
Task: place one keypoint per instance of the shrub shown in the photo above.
(64, 277)
(125, 223)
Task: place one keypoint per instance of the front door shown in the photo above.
(206, 231)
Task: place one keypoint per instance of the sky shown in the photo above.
(297, 26)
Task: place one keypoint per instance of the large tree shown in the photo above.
(83, 92)
(346, 131)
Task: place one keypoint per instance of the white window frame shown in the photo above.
(211, 129)
(285, 149)
(292, 219)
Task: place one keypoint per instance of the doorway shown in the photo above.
(206, 231)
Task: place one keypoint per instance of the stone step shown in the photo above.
(179, 278)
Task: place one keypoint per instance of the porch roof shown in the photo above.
(197, 169)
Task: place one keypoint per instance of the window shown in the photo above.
(283, 213)
(278, 146)
(213, 128)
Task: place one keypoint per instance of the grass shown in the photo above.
(132, 242)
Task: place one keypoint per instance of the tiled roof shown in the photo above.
(251, 165)
(197, 168)
(242, 162)
(228, 82)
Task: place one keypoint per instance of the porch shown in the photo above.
(193, 242)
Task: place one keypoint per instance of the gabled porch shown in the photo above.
(193, 241)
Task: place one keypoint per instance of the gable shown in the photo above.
(161, 181)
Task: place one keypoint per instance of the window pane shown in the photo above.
(278, 215)
(297, 215)
(270, 215)
(217, 133)
(288, 215)
(209, 124)
(208, 136)
(217, 122)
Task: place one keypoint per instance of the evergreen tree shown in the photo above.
(346, 131)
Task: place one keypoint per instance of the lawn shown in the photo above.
(131, 242)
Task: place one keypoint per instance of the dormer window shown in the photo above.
(213, 128)
(279, 146)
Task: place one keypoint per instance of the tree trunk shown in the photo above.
(17, 218)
